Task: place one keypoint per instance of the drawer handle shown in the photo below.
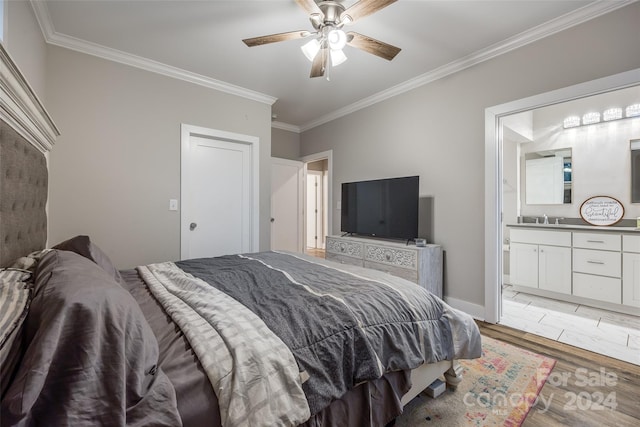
(595, 241)
(596, 262)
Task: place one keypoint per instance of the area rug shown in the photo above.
(498, 389)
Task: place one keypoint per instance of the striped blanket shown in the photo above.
(281, 335)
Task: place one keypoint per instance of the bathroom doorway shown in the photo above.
(540, 133)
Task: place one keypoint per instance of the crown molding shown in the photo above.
(285, 126)
(534, 34)
(52, 37)
(20, 107)
(579, 16)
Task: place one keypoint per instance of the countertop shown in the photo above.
(576, 227)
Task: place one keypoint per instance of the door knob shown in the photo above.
(192, 226)
(273, 219)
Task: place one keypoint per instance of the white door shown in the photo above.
(523, 267)
(315, 221)
(218, 203)
(286, 205)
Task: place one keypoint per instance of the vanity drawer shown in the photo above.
(598, 288)
(630, 243)
(541, 237)
(607, 242)
(603, 263)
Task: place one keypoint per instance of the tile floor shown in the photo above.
(606, 332)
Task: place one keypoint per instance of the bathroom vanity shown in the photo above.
(596, 266)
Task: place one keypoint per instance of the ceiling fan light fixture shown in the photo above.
(311, 49)
(337, 39)
(337, 57)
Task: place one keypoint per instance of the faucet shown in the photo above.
(546, 219)
(558, 220)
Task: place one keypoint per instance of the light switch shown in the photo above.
(339, 205)
(173, 204)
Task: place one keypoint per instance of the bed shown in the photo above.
(266, 338)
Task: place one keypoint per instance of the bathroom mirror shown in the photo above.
(548, 177)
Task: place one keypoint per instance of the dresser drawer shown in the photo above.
(343, 259)
(603, 263)
(607, 242)
(404, 258)
(630, 243)
(345, 247)
(597, 287)
(411, 275)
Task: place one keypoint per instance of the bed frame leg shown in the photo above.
(453, 376)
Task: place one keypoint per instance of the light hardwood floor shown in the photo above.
(579, 381)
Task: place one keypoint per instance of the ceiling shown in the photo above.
(201, 41)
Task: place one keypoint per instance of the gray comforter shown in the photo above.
(328, 326)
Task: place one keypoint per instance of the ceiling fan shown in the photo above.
(328, 18)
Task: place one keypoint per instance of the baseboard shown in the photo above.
(476, 311)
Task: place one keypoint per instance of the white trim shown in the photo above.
(474, 310)
(285, 126)
(186, 131)
(20, 107)
(554, 26)
(52, 37)
(493, 170)
(313, 158)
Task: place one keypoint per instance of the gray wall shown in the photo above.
(285, 144)
(437, 131)
(117, 163)
(25, 44)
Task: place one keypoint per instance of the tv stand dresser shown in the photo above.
(421, 265)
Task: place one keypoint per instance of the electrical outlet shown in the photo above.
(173, 204)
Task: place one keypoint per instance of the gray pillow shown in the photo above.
(82, 245)
(90, 358)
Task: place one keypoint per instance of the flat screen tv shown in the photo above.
(386, 208)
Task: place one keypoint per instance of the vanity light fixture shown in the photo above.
(612, 114)
(633, 110)
(608, 115)
(571, 122)
(590, 118)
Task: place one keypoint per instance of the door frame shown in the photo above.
(323, 155)
(493, 172)
(186, 132)
(321, 176)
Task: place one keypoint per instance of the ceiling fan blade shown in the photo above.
(273, 38)
(364, 8)
(319, 63)
(373, 46)
(309, 6)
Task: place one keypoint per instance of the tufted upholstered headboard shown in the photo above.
(23, 196)
(26, 132)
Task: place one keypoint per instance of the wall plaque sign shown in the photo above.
(601, 210)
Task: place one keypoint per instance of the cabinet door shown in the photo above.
(524, 264)
(554, 269)
(631, 279)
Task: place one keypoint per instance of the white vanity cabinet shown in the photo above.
(631, 270)
(541, 259)
(596, 266)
